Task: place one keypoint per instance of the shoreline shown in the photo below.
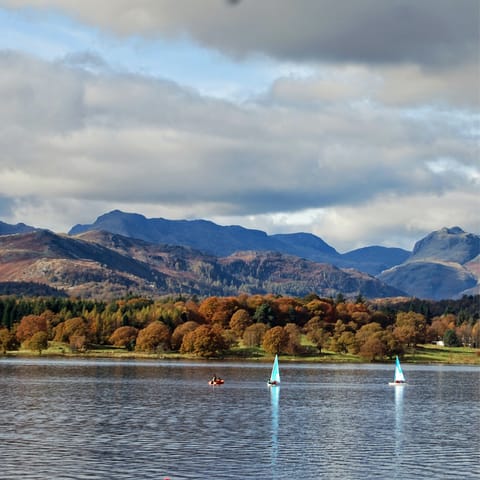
(422, 355)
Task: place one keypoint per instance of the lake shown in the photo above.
(106, 419)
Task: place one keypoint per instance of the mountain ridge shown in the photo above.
(102, 264)
(443, 264)
(222, 241)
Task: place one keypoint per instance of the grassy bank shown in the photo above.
(422, 354)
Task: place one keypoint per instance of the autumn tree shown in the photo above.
(75, 326)
(370, 341)
(289, 310)
(7, 340)
(239, 321)
(294, 346)
(316, 332)
(77, 343)
(37, 342)
(410, 328)
(436, 330)
(253, 335)
(275, 340)
(204, 341)
(343, 338)
(29, 326)
(218, 310)
(124, 337)
(343, 343)
(180, 332)
(153, 338)
(323, 309)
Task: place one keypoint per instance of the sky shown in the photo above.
(357, 121)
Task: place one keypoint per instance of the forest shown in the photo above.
(213, 327)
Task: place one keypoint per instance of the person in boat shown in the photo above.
(215, 378)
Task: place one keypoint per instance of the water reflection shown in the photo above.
(274, 399)
(399, 389)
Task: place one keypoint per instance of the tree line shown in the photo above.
(213, 326)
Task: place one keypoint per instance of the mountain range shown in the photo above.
(126, 252)
(222, 241)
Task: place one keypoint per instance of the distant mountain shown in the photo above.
(448, 245)
(430, 280)
(104, 265)
(374, 260)
(220, 241)
(444, 264)
(7, 229)
(202, 235)
(197, 256)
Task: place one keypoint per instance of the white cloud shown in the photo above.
(381, 149)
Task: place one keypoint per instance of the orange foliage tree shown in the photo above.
(153, 338)
(204, 341)
(124, 337)
(76, 326)
(180, 332)
(29, 326)
(239, 321)
(275, 340)
(410, 328)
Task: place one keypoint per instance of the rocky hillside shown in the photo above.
(444, 264)
(105, 265)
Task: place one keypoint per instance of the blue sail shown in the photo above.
(399, 377)
(275, 375)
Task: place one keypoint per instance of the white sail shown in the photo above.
(275, 375)
(399, 377)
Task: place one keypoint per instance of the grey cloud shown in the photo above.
(116, 138)
(39, 96)
(427, 32)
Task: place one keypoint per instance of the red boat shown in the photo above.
(218, 381)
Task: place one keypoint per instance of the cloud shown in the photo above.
(430, 32)
(82, 141)
(405, 86)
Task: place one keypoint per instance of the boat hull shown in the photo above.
(397, 384)
(216, 382)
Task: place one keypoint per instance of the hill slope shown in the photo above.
(105, 265)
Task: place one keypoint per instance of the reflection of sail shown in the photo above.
(274, 397)
(399, 390)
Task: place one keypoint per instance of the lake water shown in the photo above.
(102, 419)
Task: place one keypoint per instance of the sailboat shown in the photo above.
(399, 378)
(275, 375)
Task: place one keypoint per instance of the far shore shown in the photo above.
(422, 354)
